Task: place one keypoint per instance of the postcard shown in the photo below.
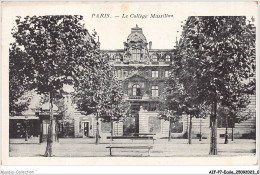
(129, 83)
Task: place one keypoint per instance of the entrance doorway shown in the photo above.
(85, 129)
(131, 125)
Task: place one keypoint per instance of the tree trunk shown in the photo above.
(190, 129)
(48, 152)
(26, 129)
(187, 127)
(97, 133)
(170, 124)
(232, 137)
(213, 142)
(226, 133)
(41, 131)
(111, 129)
(200, 130)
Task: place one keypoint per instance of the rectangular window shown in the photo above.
(125, 73)
(155, 91)
(166, 73)
(168, 58)
(154, 58)
(117, 58)
(136, 53)
(119, 74)
(154, 73)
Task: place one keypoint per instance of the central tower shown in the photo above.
(136, 46)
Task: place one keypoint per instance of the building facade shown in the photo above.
(143, 71)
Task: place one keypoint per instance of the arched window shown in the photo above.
(154, 58)
(168, 58)
(136, 90)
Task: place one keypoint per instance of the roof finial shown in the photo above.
(136, 26)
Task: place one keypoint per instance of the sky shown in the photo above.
(113, 31)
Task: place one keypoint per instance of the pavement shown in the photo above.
(80, 147)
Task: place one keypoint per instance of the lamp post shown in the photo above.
(226, 111)
(226, 133)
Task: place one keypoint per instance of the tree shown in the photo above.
(183, 84)
(235, 110)
(118, 108)
(52, 49)
(18, 100)
(223, 49)
(171, 102)
(98, 92)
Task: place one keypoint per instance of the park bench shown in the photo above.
(130, 147)
(132, 137)
(143, 134)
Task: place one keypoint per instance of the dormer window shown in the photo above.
(118, 58)
(136, 54)
(154, 58)
(168, 58)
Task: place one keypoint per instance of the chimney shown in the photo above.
(150, 45)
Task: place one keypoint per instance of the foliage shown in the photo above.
(99, 92)
(215, 63)
(216, 60)
(17, 89)
(52, 48)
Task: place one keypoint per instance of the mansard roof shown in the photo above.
(136, 36)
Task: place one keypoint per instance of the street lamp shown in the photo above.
(226, 114)
(226, 133)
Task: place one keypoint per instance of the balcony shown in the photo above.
(135, 97)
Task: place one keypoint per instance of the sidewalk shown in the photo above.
(78, 147)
